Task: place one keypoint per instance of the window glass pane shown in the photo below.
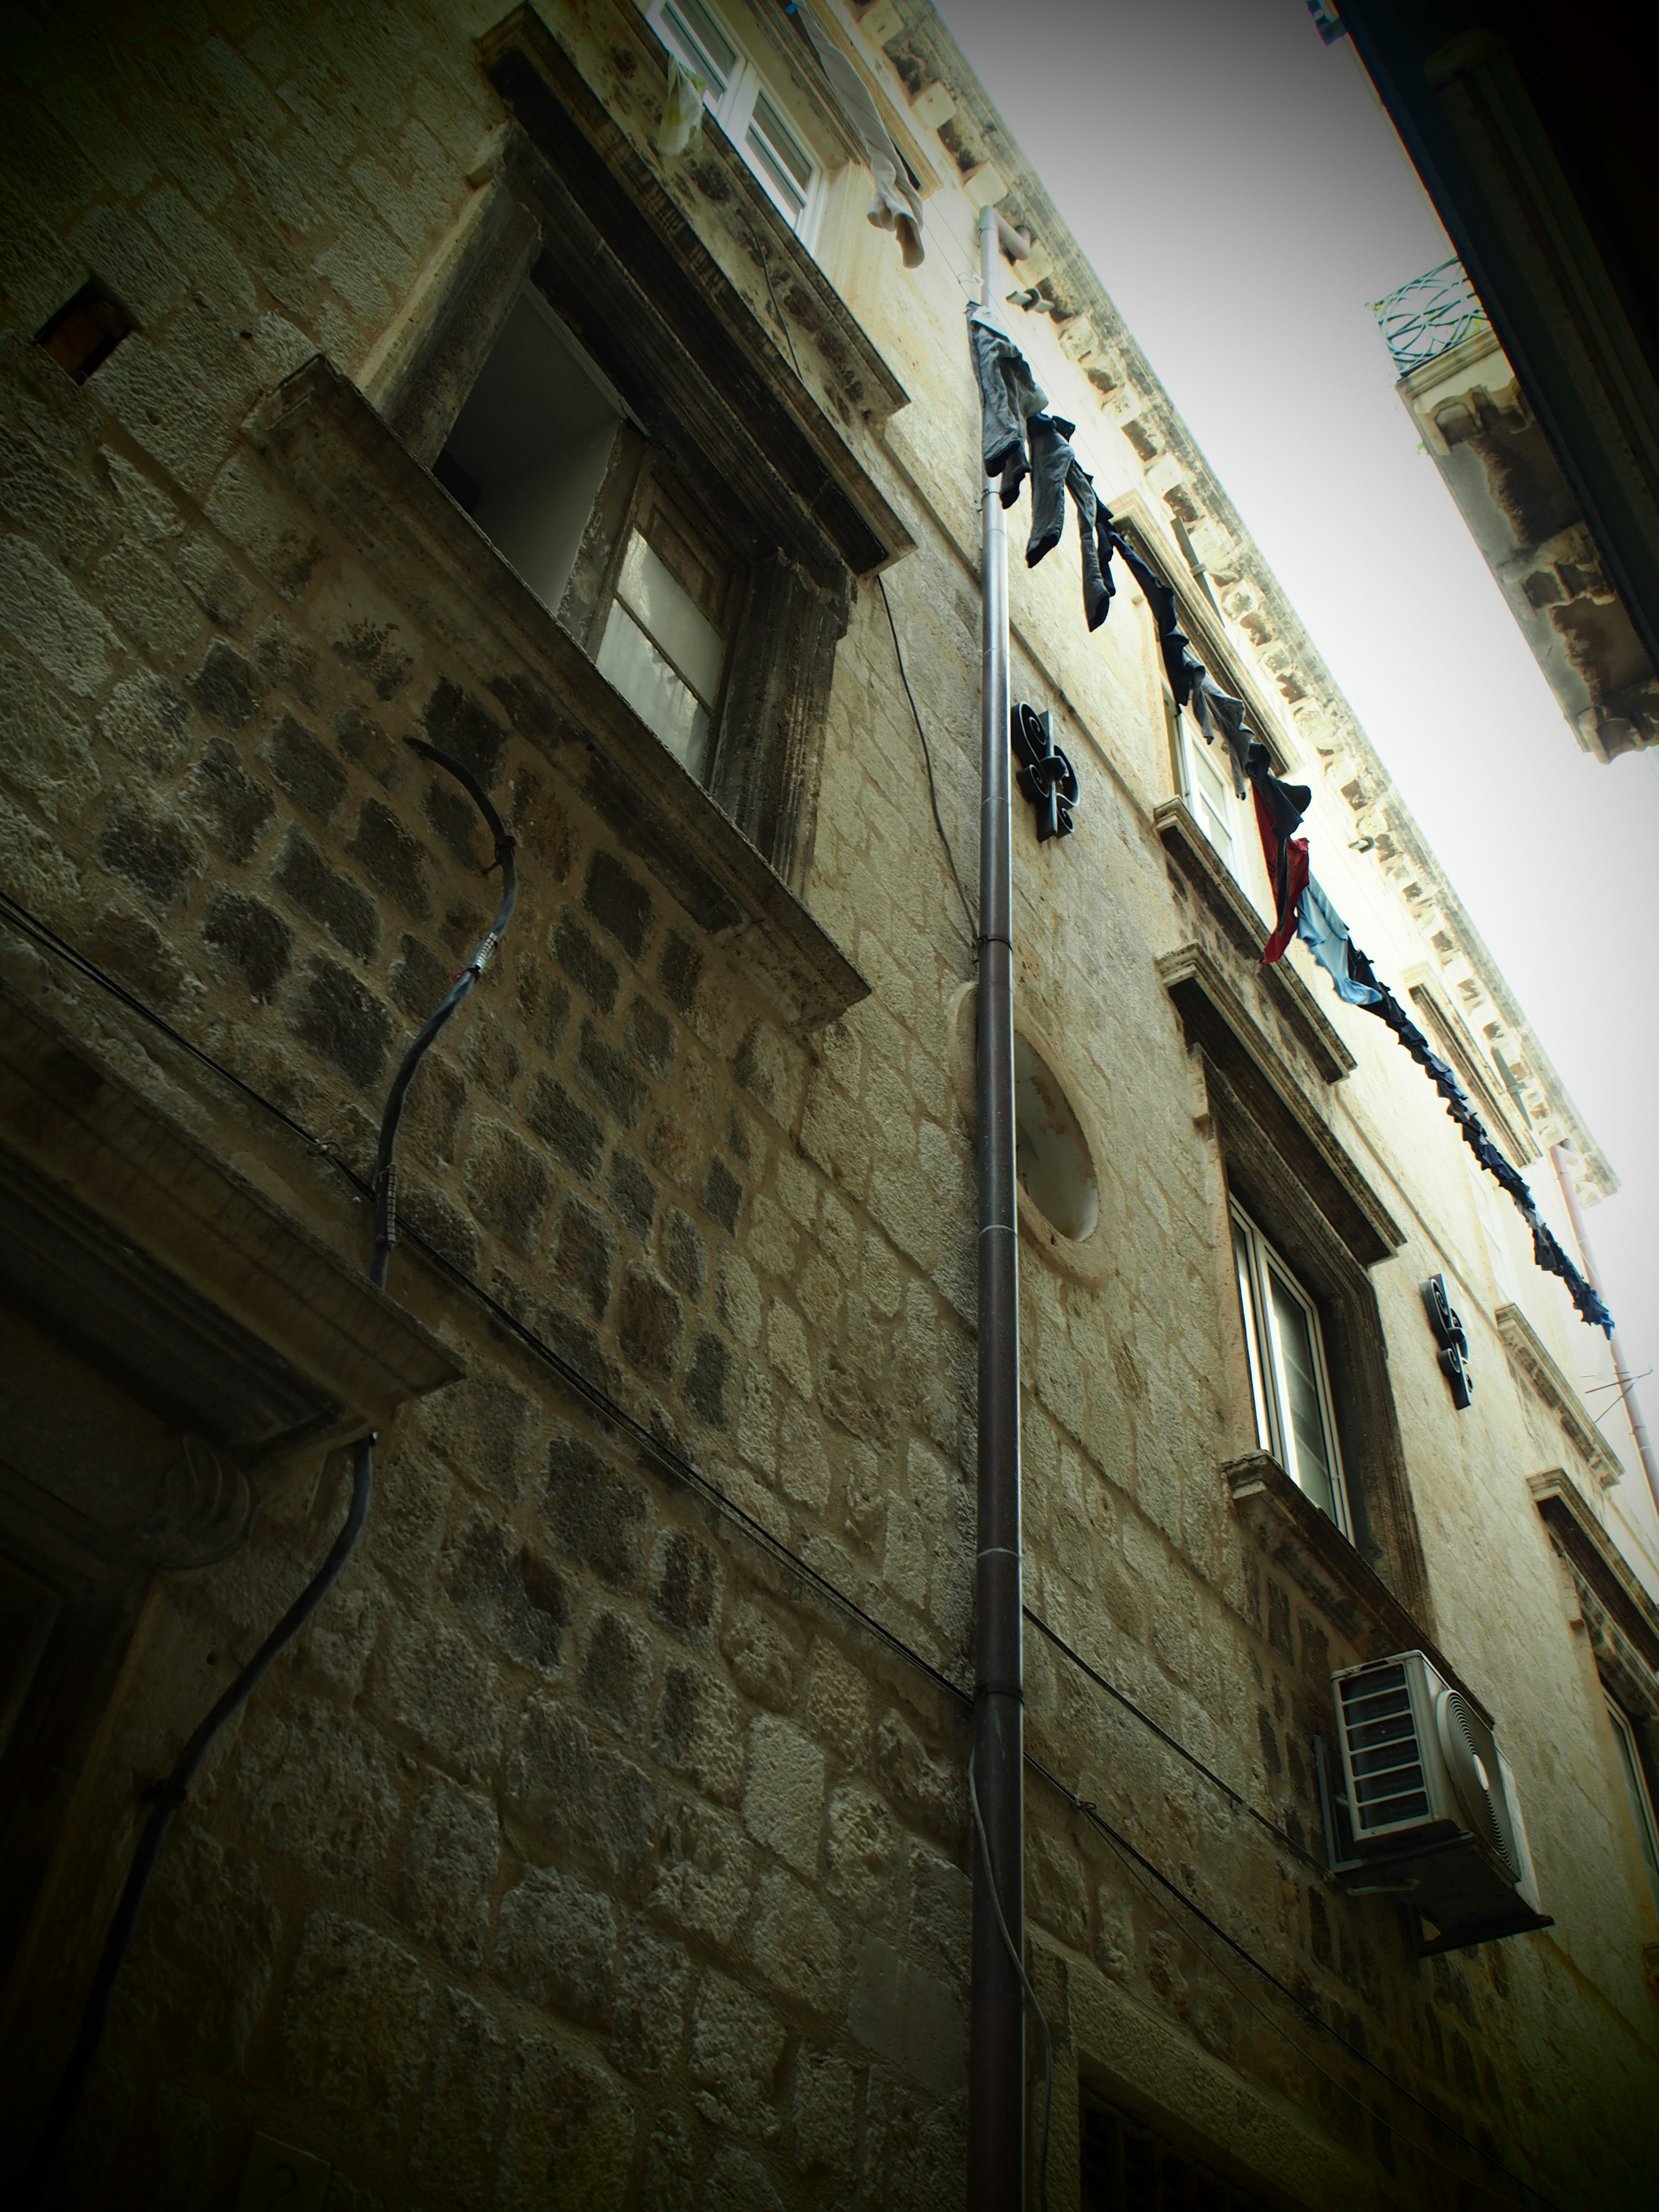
(1207, 793)
(1252, 1336)
(1641, 1804)
(663, 608)
(780, 159)
(1299, 1361)
(628, 659)
(699, 41)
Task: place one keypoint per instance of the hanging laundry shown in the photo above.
(681, 111)
(1325, 934)
(1008, 396)
(1056, 474)
(897, 205)
(1280, 808)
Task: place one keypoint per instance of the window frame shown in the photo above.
(1637, 1788)
(732, 102)
(1185, 738)
(1257, 1267)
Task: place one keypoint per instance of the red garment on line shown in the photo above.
(1288, 867)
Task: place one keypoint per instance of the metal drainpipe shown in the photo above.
(1639, 1428)
(996, 2060)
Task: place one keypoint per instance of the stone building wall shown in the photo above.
(587, 1850)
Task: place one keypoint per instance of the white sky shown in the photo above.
(1243, 196)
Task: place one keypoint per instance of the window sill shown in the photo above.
(324, 438)
(1308, 1548)
(128, 1238)
(1549, 1384)
(1244, 928)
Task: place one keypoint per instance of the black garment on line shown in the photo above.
(1056, 472)
(1008, 396)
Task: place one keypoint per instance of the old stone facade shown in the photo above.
(602, 1841)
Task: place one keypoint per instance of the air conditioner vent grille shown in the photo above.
(1389, 1785)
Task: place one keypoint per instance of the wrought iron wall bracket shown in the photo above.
(1453, 1354)
(1045, 777)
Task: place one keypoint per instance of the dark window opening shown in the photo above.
(84, 332)
(1128, 2167)
(543, 459)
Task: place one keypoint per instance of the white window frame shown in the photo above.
(732, 97)
(1636, 1784)
(1257, 1268)
(1188, 739)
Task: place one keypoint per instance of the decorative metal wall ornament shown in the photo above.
(1454, 1353)
(1046, 776)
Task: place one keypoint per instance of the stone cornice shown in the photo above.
(1216, 1019)
(1597, 1566)
(1549, 1384)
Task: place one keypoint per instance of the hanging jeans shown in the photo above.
(1008, 396)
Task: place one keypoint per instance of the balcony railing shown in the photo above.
(1429, 316)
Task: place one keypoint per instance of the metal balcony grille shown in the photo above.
(1429, 316)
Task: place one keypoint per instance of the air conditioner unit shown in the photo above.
(1427, 1808)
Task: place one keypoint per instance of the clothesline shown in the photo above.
(1020, 438)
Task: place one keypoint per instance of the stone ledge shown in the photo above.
(1203, 867)
(1310, 1550)
(322, 435)
(1558, 1393)
(1596, 1562)
(182, 1280)
(1215, 1019)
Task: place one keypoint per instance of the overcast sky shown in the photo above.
(1243, 197)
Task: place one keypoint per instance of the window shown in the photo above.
(664, 641)
(1290, 1383)
(528, 458)
(1635, 1784)
(1201, 772)
(1128, 2167)
(736, 96)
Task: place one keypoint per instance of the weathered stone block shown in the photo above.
(618, 903)
(737, 2040)
(616, 1675)
(508, 1185)
(652, 1987)
(824, 2110)
(566, 1127)
(393, 859)
(342, 1023)
(356, 2026)
(252, 937)
(331, 900)
(783, 1804)
(762, 1657)
(861, 1850)
(705, 1884)
(650, 1323)
(908, 2017)
(799, 1946)
(556, 1943)
(443, 1691)
(570, 2133)
(699, 1731)
(685, 1583)
(594, 973)
(318, 1786)
(599, 1515)
(448, 1871)
(463, 2105)
(569, 1792)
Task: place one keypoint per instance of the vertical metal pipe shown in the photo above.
(1639, 1428)
(996, 2061)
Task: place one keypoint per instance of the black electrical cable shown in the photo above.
(654, 1449)
(166, 1797)
(1240, 1803)
(927, 755)
(1140, 1866)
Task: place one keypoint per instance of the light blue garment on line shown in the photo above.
(1325, 934)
